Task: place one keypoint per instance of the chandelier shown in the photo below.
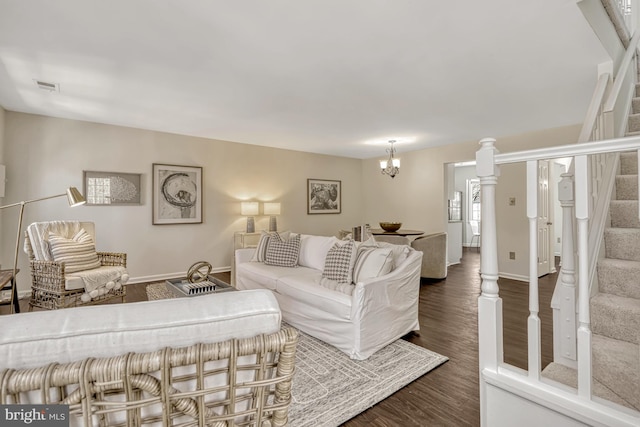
(391, 166)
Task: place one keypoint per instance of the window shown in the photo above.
(473, 199)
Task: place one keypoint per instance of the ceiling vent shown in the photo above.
(51, 87)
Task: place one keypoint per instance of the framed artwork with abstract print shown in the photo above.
(177, 194)
(324, 196)
(112, 188)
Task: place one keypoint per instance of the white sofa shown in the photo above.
(377, 311)
(170, 359)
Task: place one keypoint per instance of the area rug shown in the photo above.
(329, 388)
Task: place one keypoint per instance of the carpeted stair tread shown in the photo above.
(616, 364)
(569, 377)
(627, 187)
(635, 105)
(629, 162)
(616, 317)
(624, 214)
(622, 243)
(619, 277)
(634, 122)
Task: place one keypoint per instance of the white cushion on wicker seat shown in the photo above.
(38, 338)
(77, 280)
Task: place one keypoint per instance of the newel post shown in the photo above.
(489, 303)
(565, 342)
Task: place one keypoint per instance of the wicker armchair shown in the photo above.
(51, 287)
(236, 382)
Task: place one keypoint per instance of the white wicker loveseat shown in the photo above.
(214, 360)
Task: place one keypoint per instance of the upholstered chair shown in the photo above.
(67, 271)
(434, 255)
(390, 238)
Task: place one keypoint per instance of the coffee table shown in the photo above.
(181, 288)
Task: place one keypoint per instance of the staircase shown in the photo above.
(615, 309)
(634, 117)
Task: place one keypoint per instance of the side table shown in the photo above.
(7, 283)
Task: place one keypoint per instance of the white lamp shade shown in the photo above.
(383, 164)
(249, 208)
(271, 208)
(396, 163)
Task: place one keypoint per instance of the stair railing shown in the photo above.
(493, 370)
(601, 169)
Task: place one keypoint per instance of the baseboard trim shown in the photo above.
(517, 277)
(166, 276)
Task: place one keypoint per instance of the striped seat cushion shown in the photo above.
(77, 253)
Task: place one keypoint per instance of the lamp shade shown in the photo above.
(272, 208)
(249, 208)
(74, 197)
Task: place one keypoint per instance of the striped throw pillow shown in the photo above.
(281, 253)
(338, 265)
(77, 253)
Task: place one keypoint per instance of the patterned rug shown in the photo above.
(329, 388)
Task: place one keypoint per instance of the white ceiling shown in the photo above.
(336, 77)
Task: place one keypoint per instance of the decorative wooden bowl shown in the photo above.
(390, 226)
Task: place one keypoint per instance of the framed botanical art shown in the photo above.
(111, 188)
(177, 194)
(324, 196)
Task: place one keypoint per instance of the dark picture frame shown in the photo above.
(324, 196)
(111, 188)
(177, 194)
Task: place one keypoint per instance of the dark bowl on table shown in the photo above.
(390, 227)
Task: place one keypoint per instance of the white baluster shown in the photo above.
(533, 322)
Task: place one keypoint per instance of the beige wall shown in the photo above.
(45, 155)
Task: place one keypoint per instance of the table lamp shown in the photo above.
(250, 209)
(272, 209)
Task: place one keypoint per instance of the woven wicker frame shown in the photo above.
(48, 282)
(169, 385)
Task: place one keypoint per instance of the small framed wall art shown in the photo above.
(177, 194)
(111, 188)
(324, 196)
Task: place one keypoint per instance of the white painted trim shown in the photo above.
(558, 399)
(518, 277)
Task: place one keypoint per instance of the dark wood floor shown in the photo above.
(448, 395)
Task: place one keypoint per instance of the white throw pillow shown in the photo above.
(400, 252)
(314, 249)
(372, 262)
(77, 253)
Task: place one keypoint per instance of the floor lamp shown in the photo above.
(74, 197)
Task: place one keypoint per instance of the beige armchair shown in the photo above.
(66, 271)
(434, 258)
